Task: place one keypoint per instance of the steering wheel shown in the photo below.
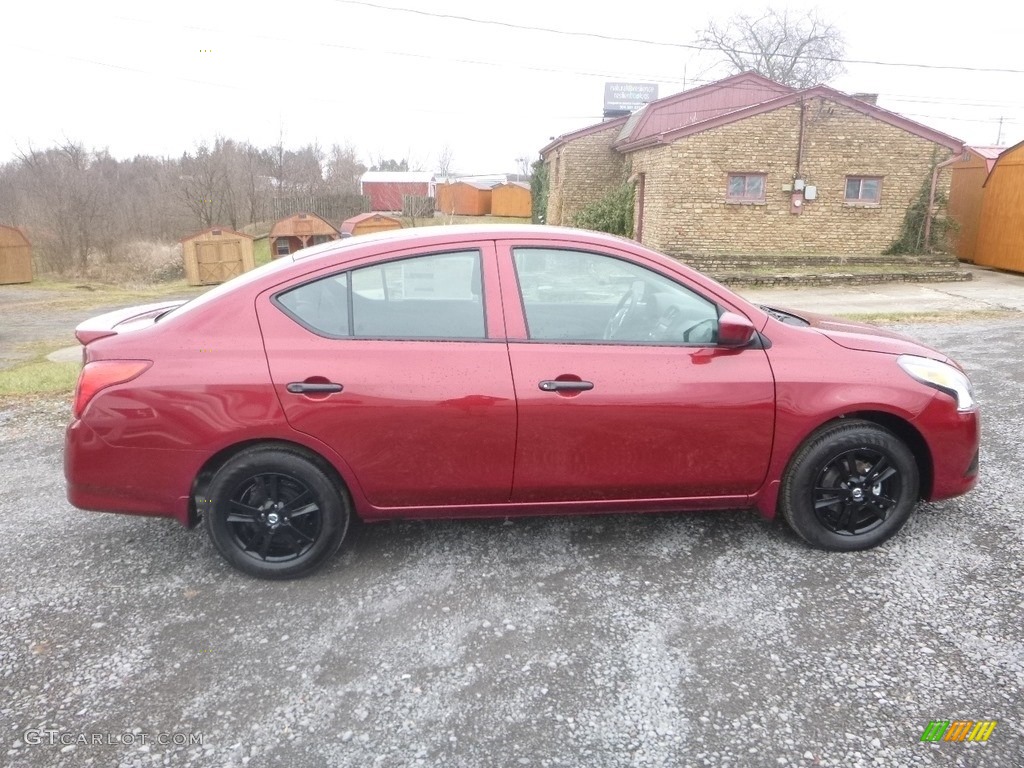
(625, 309)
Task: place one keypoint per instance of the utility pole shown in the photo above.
(999, 136)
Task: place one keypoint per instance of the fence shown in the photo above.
(333, 208)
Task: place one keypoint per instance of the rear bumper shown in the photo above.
(104, 478)
(954, 439)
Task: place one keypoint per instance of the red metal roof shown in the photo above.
(596, 128)
(699, 104)
(988, 154)
(726, 101)
(824, 91)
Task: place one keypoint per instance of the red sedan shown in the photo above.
(492, 372)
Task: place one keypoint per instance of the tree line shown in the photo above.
(79, 204)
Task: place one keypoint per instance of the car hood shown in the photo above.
(867, 338)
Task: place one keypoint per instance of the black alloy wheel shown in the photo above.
(852, 485)
(275, 513)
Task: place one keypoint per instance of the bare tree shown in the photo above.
(445, 162)
(343, 169)
(65, 185)
(798, 50)
(203, 185)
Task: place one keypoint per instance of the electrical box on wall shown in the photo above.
(798, 184)
(810, 192)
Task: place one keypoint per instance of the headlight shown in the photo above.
(942, 376)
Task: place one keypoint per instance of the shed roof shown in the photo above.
(287, 227)
(397, 177)
(351, 223)
(224, 230)
(520, 184)
(1003, 158)
(16, 231)
(483, 185)
(988, 154)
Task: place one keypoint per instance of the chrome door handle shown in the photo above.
(307, 387)
(549, 385)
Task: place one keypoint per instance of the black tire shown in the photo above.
(850, 486)
(275, 514)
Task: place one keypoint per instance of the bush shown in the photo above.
(613, 213)
(139, 262)
(539, 184)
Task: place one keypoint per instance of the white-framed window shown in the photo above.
(745, 188)
(863, 189)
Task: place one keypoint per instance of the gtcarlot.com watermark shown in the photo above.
(52, 737)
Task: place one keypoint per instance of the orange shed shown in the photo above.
(966, 187)
(512, 199)
(299, 231)
(15, 256)
(215, 255)
(365, 223)
(464, 198)
(1001, 227)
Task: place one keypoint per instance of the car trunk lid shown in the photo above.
(122, 320)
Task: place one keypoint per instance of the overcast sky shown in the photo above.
(159, 77)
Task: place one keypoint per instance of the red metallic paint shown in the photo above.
(461, 428)
(659, 422)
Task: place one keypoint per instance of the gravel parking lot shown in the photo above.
(689, 640)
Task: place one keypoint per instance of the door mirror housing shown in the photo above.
(734, 330)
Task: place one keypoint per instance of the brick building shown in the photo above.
(747, 165)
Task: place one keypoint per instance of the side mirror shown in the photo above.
(734, 330)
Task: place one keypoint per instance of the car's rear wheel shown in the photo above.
(275, 514)
(851, 486)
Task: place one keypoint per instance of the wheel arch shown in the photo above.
(899, 426)
(912, 438)
(223, 456)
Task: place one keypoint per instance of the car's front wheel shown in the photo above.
(275, 514)
(851, 486)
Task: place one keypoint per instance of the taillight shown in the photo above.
(102, 374)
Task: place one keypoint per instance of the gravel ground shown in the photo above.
(688, 640)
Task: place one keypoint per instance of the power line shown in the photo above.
(663, 43)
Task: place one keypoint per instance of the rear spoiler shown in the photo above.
(111, 323)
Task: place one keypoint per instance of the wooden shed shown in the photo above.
(966, 187)
(1000, 241)
(365, 223)
(299, 231)
(512, 198)
(15, 256)
(464, 198)
(215, 255)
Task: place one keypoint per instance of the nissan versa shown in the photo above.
(500, 371)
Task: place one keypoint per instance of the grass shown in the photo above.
(932, 316)
(72, 294)
(37, 375)
(261, 250)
